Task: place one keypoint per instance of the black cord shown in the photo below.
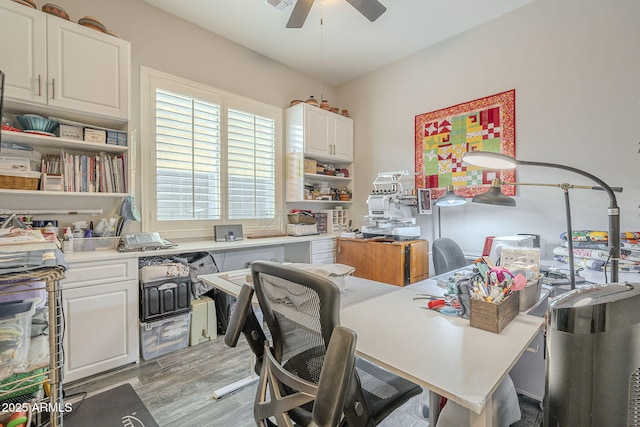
(73, 408)
(606, 280)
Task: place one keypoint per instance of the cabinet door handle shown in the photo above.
(39, 85)
(53, 88)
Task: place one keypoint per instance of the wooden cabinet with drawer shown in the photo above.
(398, 263)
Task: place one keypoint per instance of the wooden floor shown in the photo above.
(177, 389)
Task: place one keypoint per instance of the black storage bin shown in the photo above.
(164, 297)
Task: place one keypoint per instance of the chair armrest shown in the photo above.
(337, 371)
(238, 316)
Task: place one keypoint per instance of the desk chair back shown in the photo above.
(301, 310)
(280, 391)
(447, 255)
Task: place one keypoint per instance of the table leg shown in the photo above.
(252, 378)
(484, 419)
(434, 407)
(221, 392)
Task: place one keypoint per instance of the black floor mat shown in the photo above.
(119, 406)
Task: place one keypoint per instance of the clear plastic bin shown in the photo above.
(87, 244)
(164, 336)
(15, 330)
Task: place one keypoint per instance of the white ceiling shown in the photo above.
(347, 45)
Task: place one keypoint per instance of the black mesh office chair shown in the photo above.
(301, 310)
(447, 255)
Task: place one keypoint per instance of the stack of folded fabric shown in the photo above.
(590, 250)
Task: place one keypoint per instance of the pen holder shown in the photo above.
(494, 317)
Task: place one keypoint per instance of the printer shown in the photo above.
(390, 209)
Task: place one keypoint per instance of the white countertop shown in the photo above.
(443, 354)
(195, 246)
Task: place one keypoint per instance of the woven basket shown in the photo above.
(18, 182)
(296, 218)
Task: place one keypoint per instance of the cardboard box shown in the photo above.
(52, 182)
(70, 132)
(494, 317)
(122, 138)
(95, 135)
(112, 137)
(310, 166)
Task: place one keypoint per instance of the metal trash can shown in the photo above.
(593, 357)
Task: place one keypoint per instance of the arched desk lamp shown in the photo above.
(448, 199)
(495, 196)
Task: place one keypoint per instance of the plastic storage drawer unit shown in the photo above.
(164, 297)
(164, 336)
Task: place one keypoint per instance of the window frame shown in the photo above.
(151, 79)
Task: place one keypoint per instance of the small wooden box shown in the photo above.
(310, 166)
(494, 317)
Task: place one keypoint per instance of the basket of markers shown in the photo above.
(494, 300)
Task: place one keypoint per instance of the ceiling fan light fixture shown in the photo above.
(370, 9)
(280, 4)
(299, 14)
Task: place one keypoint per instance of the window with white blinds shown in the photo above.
(251, 166)
(213, 158)
(187, 157)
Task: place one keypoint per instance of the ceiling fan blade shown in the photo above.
(371, 9)
(299, 13)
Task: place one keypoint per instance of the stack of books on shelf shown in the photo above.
(102, 173)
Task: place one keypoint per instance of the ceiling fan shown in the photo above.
(371, 9)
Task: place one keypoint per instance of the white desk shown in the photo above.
(443, 354)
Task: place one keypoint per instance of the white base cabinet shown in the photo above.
(323, 251)
(100, 303)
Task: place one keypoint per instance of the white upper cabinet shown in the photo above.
(88, 70)
(23, 52)
(62, 65)
(319, 134)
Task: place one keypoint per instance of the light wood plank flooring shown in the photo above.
(177, 389)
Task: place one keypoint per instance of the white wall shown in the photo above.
(574, 65)
(166, 43)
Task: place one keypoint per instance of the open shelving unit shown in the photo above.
(51, 276)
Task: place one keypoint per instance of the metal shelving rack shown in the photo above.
(51, 276)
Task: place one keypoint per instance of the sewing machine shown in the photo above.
(389, 208)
